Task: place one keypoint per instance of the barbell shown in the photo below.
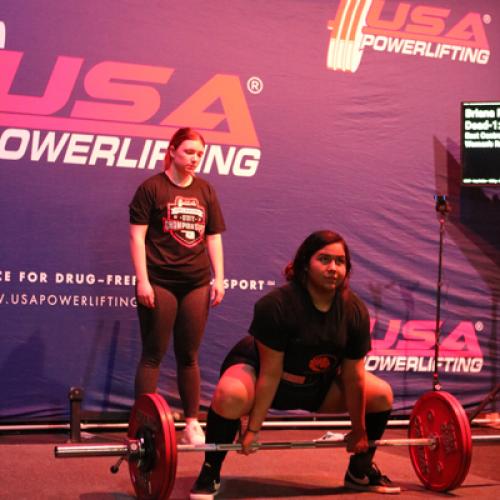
(439, 441)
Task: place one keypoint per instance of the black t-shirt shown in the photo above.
(178, 219)
(314, 342)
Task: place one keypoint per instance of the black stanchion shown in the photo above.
(75, 399)
(443, 209)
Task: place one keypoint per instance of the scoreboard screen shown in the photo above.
(480, 143)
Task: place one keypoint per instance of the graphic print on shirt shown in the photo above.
(185, 221)
(322, 363)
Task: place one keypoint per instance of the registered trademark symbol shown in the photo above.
(486, 19)
(479, 326)
(255, 85)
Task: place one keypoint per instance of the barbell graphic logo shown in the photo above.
(2, 35)
(418, 30)
(345, 49)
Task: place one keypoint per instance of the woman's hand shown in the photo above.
(248, 442)
(216, 256)
(145, 294)
(217, 292)
(357, 441)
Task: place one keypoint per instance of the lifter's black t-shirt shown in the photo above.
(314, 342)
(178, 219)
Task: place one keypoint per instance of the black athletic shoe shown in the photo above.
(371, 480)
(207, 485)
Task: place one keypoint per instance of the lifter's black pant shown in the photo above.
(183, 312)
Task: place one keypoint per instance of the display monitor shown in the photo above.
(480, 143)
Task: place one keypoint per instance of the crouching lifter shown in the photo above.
(305, 351)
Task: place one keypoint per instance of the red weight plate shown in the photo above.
(466, 433)
(438, 414)
(172, 443)
(153, 476)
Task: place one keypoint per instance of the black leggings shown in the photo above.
(183, 312)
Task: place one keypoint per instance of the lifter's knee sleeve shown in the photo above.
(219, 430)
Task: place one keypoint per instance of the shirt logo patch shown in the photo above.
(321, 363)
(185, 221)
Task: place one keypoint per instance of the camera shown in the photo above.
(442, 205)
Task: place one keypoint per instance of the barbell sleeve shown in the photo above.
(130, 448)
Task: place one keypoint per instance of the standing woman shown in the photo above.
(175, 241)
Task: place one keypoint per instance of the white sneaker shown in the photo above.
(193, 433)
(331, 436)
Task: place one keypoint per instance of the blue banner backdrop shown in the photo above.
(318, 114)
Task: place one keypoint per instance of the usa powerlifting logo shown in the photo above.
(408, 29)
(409, 346)
(119, 118)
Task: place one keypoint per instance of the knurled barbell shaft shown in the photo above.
(292, 445)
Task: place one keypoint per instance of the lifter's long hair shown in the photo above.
(183, 134)
(296, 271)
